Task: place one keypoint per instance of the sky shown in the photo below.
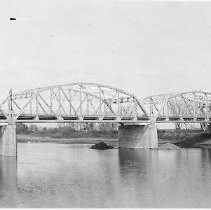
(142, 47)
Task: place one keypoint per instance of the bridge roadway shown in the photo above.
(97, 119)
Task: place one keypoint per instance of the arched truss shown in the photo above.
(73, 102)
(192, 106)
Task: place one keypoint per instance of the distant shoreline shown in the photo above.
(21, 138)
(200, 142)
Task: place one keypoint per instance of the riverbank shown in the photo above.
(186, 138)
(168, 139)
(162, 144)
(21, 138)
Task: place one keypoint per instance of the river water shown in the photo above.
(65, 175)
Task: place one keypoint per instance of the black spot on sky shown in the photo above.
(12, 18)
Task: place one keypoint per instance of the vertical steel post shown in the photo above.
(80, 103)
(135, 107)
(100, 104)
(87, 105)
(151, 107)
(31, 107)
(164, 110)
(70, 101)
(207, 108)
(59, 97)
(10, 108)
(118, 106)
(10, 100)
(104, 107)
(37, 107)
(51, 101)
(167, 110)
(194, 108)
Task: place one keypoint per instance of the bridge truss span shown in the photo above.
(75, 102)
(190, 107)
(91, 102)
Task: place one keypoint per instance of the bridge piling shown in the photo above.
(8, 144)
(138, 136)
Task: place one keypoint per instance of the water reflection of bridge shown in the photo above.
(89, 102)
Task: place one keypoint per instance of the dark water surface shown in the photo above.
(59, 175)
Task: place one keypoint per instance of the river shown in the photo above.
(72, 175)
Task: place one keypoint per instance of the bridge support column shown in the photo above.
(138, 136)
(8, 144)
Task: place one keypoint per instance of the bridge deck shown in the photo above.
(115, 119)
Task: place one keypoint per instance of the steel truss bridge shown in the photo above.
(90, 102)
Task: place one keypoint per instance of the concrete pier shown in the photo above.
(8, 144)
(138, 136)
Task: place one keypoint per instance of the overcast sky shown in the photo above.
(142, 47)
